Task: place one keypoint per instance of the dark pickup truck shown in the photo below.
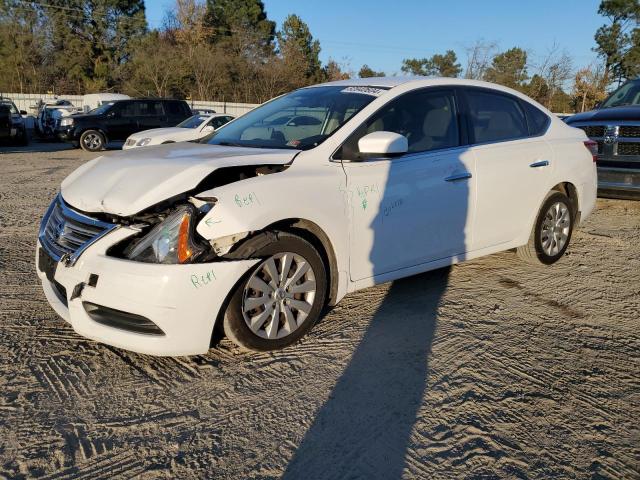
(615, 125)
(12, 126)
(119, 119)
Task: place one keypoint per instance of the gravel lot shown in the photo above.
(491, 369)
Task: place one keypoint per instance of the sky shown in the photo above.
(381, 34)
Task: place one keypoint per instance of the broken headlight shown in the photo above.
(171, 241)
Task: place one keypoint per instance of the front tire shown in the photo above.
(92, 141)
(281, 298)
(552, 231)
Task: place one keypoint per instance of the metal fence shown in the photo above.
(29, 102)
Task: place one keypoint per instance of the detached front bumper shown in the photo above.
(183, 301)
(619, 182)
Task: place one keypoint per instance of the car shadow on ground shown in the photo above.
(363, 430)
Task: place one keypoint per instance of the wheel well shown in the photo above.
(316, 236)
(570, 191)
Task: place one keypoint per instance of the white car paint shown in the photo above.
(158, 136)
(384, 219)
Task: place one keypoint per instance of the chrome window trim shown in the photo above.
(68, 212)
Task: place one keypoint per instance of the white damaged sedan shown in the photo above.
(193, 128)
(317, 193)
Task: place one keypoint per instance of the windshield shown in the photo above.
(627, 94)
(300, 120)
(193, 122)
(11, 105)
(104, 108)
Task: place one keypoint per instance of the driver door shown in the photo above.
(418, 207)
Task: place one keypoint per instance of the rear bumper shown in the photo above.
(619, 182)
(183, 301)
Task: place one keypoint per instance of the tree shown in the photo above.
(547, 84)
(156, 68)
(479, 57)
(366, 72)
(589, 87)
(299, 49)
(242, 19)
(508, 68)
(436, 66)
(619, 41)
(334, 71)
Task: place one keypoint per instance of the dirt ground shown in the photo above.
(491, 369)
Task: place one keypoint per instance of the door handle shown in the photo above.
(541, 163)
(458, 176)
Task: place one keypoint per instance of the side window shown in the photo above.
(127, 109)
(174, 108)
(150, 108)
(217, 122)
(495, 117)
(538, 121)
(427, 118)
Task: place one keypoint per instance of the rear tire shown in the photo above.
(552, 231)
(92, 141)
(266, 313)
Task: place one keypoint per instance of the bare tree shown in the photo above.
(552, 74)
(479, 57)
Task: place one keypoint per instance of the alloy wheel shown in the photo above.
(555, 229)
(279, 295)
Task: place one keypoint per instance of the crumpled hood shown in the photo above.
(127, 182)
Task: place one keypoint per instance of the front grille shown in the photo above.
(630, 131)
(594, 131)
(66, 232)
(628, 148)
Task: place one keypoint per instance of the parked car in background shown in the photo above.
(12, 125)
(50, 113)
(118, 120)
(193, 128)
(203, 111)
(615, 126)
(261, 224)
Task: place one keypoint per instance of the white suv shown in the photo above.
(320, 192)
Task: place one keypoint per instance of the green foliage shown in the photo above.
(235, 18)
(366, 72)
(437, 66)
(508, 68)
(618, 42)
(299, 49)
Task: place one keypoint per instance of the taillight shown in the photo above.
(593, 148)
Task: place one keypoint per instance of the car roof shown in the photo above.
(420, 82)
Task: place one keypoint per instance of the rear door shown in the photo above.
(151, 114)
(513, 167)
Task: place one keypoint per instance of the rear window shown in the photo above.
(538, 121)
(176, 108)
(495, 117)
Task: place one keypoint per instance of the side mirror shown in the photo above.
(384, 144)
(208, 129)
(597, 105)
(23, 112)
